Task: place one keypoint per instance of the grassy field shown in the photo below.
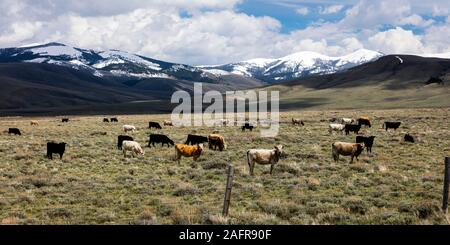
(401, 183)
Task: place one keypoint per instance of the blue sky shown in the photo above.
(202, 32)
(286, 12)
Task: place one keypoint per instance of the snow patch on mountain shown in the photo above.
(296, 65)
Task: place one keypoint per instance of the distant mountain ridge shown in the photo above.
(103, 63)
(296, 65)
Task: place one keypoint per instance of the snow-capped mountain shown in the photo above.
(295, 65)
(102, 63)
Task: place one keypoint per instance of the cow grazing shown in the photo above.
(14, 131)
(394, 125)
(159, 138)
(216, 140)
(106, 120)
(132, 146)
(127, 128)
(336, 127)
(167, 123)
(347, 120)
(264, 157)
(34, 123)
(154, 125)
(55, 148)
(364, 121)
(247, 126)
(65, 120)
(114, 119)
(188, 151)
(297, 121)
(352, 128)
(368, 142)
(121, 139)
(409, 138)
(346, 149)
(196, 139)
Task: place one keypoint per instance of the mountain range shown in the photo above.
(293, 66)
(55, 78)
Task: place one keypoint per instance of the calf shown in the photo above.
(14, 131)
(297, 121)
(394, 125)
(121, 139)
(247, 126)
(188, 151)
(409, 138)
(106, 120)
(352, 128)
(65, 120)
(132, 146)
(364, 121)
(167, 123)
(127, 128)
(114, 119)
(154, 125)
(195, 139)
(264, 157)
(159, 138)
(346, 149)
(368, 142)
(216, 140)
(336, 127)
(55, 148)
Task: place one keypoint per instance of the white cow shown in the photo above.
(264, 157)
(347, 120)
(127, 128)
(336, 127)
(132, 146)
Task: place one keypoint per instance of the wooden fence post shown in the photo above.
(226, 201)
(446, 185)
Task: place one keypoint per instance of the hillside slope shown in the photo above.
(393, 81)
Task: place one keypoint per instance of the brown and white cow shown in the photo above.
(264, 157)
(346, 149)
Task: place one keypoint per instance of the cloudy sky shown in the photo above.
(221, 31)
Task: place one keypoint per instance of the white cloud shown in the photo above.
(396, 41)
(332, 9)
(302, 10)
(213, 32)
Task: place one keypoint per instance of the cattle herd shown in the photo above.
(194, 144)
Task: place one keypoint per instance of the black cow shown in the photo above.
(247, 126)
(196, 139)
(15, 131)
(57, 148)
(65, 120)
(160, 138)
(121, 139)
(114, 119)
(154, 125)
(364, 121)
(368, 142)
(409, 138)
(394, 125)
(352, 128)
(106, 120)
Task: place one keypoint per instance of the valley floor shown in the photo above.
(400, 183)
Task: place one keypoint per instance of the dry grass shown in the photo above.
(401, 183)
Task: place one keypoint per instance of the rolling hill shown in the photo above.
(392, 81)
